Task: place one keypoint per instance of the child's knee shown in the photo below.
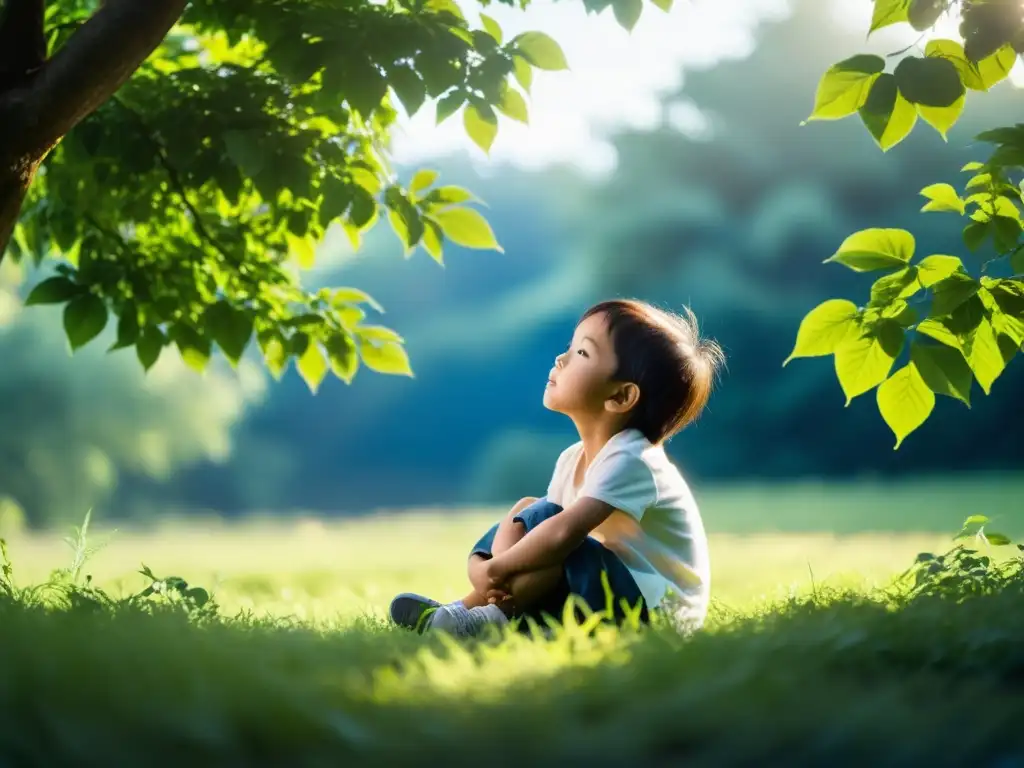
(522, 504)
(535, 513)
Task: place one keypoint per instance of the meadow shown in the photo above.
(811, 656)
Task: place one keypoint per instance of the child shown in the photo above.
(633, 377)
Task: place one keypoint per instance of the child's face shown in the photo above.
(581, 381)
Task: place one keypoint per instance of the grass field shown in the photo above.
(804, 663)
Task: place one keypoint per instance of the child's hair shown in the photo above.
(665, 356)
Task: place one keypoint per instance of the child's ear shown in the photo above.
(624, 398)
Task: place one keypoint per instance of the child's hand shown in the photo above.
(483, 579)
(495, 576)
(498, 596)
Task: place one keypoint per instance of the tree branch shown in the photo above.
(95, 63)
(12, 195)
(22, 40)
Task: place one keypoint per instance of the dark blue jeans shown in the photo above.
(581, 574)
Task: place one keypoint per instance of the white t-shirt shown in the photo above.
(656, 529)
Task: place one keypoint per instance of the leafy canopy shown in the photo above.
(954, 320)
(185, 207)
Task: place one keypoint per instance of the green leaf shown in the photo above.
(824, 328)
(923, 14)
(932, 269)
(295, 58)
(441, 74)
(943, 197)
(844, 88)
(541, 51)
(448, 195)
(523, 72)
(432, 240)
(971, 167)
(664, 5)
(351, 316)
(1007, 325)
(936, 329)
(149, 346)
(952, 291)
(513, 105)
(421, 180)
(482, 128)
(378, 333)
(975, 234)
(886, 114)
(944, 370)
(889, 12)
(898, 285)
(312, 366)
(445, 7)
(53, 290)
(492, 28)
(365, 86)
(997, 67)
(1006, 233)
(449, 105)
(978, 339)
(337, 196)
(388, 357)
(275, 352)
(341, 351)
(931, 82)
(991, 206)
(902, 313)
(302, 249)
(953, 52)
(984, 355)
(942, 119)
(230, 328)
(864, 362)
(127, 328)
(1017, 261)
(85, 317)
(193, 347)
(407, 225)
(997, 539)
(627, 12)
(975, 520)
(985, 27)
(467, 228)
(246, 151)
(363, 211)
(980, 180)
(905, 402)
(409, 87)
(872, 249)
(354, 296)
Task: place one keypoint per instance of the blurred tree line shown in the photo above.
(732, 214)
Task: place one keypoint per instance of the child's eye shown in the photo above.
(582, 352)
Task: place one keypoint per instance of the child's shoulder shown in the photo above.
(570, 452)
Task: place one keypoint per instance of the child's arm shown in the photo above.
(550, 542)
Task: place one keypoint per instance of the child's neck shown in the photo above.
(594, 436)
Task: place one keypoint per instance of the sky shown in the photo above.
(615, 77)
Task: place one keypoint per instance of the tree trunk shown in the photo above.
(40, 101)
(13, 187)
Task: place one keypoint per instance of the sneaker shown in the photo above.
(459, 621)
(412, 611)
